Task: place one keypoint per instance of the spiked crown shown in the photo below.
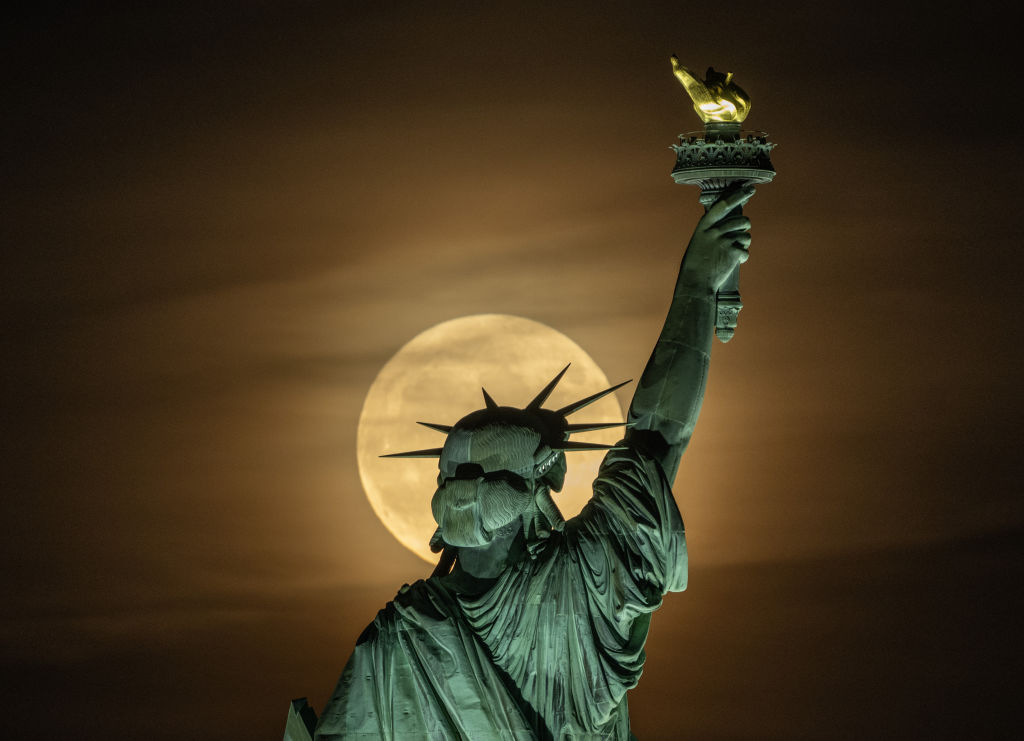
(551, 424)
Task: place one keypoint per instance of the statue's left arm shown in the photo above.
(668, 397)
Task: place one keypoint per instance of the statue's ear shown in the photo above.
(436, 541)
(555, 476)
(548, 510)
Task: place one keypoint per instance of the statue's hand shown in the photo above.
(718, 245)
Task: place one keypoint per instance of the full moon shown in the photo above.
(437, 377)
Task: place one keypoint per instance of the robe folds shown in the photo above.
(548, 651)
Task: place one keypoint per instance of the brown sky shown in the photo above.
(218, 223)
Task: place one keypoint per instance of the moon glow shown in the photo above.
(436, 377)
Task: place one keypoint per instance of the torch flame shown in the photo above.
(716, 98)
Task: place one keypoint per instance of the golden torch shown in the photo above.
(719, 158)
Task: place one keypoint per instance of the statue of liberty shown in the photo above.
(531, 626)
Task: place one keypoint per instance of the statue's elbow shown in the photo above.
(680, 570)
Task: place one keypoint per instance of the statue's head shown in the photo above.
(498, 467)
(494, 466)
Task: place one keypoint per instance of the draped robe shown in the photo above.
(547, 650)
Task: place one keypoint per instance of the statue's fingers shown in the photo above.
(721, 208)
(742, 239)
(731, 224)
(740, 253)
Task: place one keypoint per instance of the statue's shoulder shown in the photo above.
(634, 466)
(424, 603)
(424, 599)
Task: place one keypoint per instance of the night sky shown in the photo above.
(220, 220)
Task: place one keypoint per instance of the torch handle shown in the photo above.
(727, 300)
(719, 162)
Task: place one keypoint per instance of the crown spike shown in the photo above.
(576, 406)
(434, 426)
(570, 446)
(428, 453)
(590, 426)
(546, 391)
(491, 404)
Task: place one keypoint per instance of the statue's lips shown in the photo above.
(462, 527)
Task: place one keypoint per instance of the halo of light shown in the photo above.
(436, 377)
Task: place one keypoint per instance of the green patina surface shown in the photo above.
(533, 627)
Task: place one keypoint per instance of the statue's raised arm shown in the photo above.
(533, 626)
(668, 397)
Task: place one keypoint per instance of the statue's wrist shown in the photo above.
(695, 288)
(694, 283)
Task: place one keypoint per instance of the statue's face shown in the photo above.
(486, 482)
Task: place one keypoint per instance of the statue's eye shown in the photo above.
(469, 471)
